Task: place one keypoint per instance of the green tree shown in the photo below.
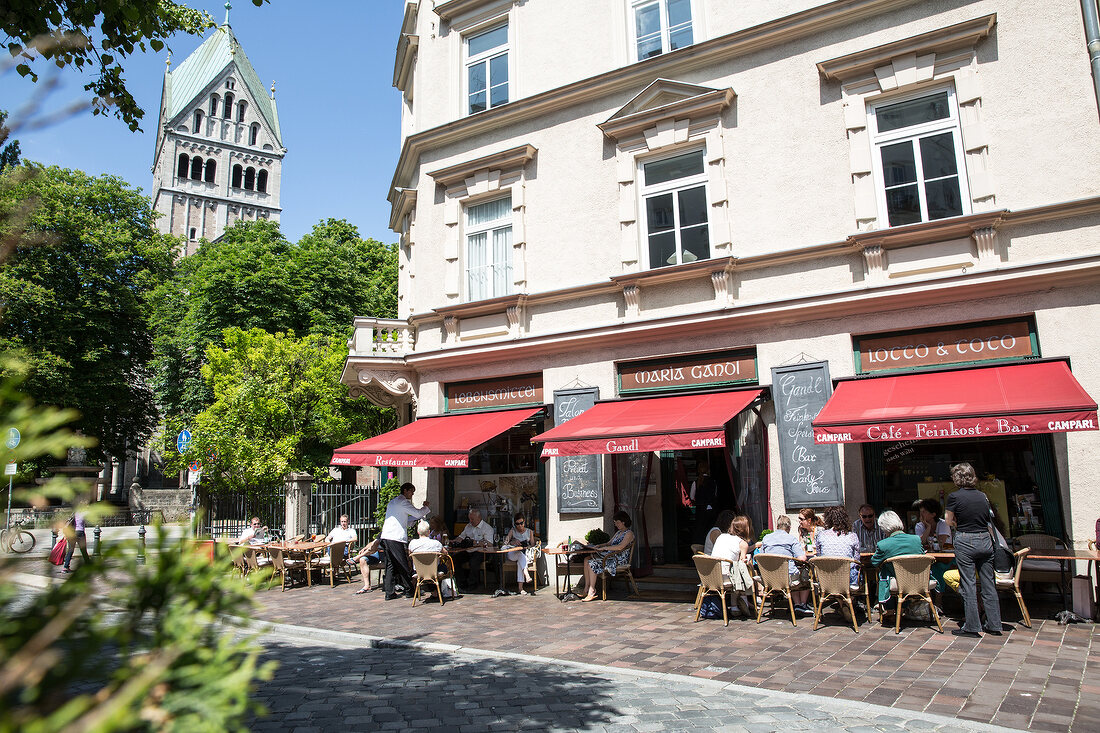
(278, 407)
(85, 258)
(254, 278)
(9, 151)
(95, 36)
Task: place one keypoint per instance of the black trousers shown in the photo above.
(468, 567)
(398, 571)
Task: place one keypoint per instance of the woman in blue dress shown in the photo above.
(610, 555)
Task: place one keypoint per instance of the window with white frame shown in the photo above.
(489, 249)
(674, 195)
(919, 158)
(487, 69)
(661, 26)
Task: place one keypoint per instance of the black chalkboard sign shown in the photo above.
(811, 472)
(580, 490)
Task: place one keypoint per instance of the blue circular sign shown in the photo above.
(13, 437)
(183, 441)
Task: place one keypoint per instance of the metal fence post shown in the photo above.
(95, 541)
(141, 541)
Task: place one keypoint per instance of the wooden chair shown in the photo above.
(697, 549)
(711, 580)
(1012, 583)
(237, 556)
(624, 569)
(283, 567)
(912, 579)
(426, 570)
(333, 562)
(833, 578)
(774, 576)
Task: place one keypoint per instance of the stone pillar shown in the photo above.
(298, 486)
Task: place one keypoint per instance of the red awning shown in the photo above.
(653, 423)
(431, 442)
(1020, 399)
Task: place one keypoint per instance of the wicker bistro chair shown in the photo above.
(1043, 571)
(621, 570)
(711, 580)
(773, 575)
(697, 549)
(333, 562)
(426, 570)
(832, 577)
(912, 579)
(283, 567)
(532, 566)
(1012, 583)
(237, 556)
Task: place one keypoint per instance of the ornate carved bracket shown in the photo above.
(384, 388)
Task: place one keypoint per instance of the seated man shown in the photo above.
(479, 534)
(896, 542)
(343, 533)
(782, 542)
(253, 534)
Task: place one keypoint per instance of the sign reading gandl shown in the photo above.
(710, 369)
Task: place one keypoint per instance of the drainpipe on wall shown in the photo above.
(1092, 41)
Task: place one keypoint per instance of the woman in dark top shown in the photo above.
(968, 511)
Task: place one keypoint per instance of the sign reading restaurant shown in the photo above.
(964, 343)
(708, 369)
(492, 394)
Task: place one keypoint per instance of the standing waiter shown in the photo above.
(400, 513)
(968, 511)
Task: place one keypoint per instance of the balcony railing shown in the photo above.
(381, 337)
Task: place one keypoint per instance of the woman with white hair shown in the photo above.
(896, 542)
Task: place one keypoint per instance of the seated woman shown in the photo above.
(895, 543)
(732, 547)
(520, 535)
(836, 539)
(610, 555)
(371, 554)
(438, 528)
(934, 535)
(721, 526)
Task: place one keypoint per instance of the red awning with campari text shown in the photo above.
(653, 423)
(986, 402)
(445, 441)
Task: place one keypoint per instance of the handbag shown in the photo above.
(1003, 559)
(57, 554)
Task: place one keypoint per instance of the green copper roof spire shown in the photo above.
(228, 7)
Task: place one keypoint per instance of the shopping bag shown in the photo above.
(57, 554)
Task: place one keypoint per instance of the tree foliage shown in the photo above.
(9, 150)
(254, 278)
(278, 407)
(85, 258)
(95, 36)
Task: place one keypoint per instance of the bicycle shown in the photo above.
(16, 539)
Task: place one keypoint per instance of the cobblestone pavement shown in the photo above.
(1043, 678)
(324, 686)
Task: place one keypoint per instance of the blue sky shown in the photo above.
(332, 63)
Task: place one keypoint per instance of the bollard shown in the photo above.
(95, 541)
(141, 543)
(53, 538)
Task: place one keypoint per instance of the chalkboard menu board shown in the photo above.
(811, 472)
(580, 490)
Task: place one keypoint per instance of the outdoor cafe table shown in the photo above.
(500, 553)
(558, 552)
(306, 549)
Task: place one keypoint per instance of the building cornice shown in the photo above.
(404, 202)
(863, 63)
(232, 147)
(782, 30)
(708, 104)
(956, 227)
(505, 160)
(168, 190)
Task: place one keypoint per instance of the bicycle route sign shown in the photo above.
(183, 441)
(13, 438)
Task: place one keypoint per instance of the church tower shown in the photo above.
(219, 152)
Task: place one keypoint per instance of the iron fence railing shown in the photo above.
(226, 516)
(328, 500)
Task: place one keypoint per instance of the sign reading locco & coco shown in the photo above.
(968, 342)
(491, 394)
(710, 369)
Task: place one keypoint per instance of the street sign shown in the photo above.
(183, 441)
(10, 469)
(193, 477)
(13, 438)
(195, 465)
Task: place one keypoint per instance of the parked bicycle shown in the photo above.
(16, 539)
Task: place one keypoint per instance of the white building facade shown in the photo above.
(219, 151)
(705, 217)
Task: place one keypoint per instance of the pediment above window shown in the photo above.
(504, 161)
(666, 100)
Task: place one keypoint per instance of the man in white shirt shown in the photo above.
(343, 533)
(400, 513)
(253, 534)
(481, 535)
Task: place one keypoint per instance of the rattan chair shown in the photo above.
(1043, 571)
(237, 556)
(621, 570)
(912, 579)
(773, 575)
(283, 567)
(832, 577)
(333, 562)
(1012, 583)
(532, 566)
(426, 570)
(697, 549)
(711, 580)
